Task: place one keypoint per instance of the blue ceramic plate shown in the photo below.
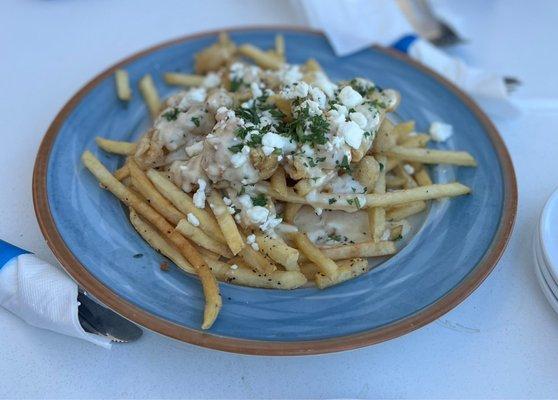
(455, 249)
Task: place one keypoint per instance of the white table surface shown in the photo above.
(501, 342)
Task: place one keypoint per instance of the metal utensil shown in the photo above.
(94, 318)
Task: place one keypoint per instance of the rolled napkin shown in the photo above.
(353, 25)
(41, 294)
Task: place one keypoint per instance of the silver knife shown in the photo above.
(95, 318)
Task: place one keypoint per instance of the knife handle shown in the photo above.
(9, 251)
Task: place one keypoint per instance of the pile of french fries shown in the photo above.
(215, 248)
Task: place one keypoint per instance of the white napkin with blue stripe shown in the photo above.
(41, 294)
(353, 25)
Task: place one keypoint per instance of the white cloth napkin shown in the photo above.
(353, 25)
(43, 296)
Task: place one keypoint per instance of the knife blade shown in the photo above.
(95, 318)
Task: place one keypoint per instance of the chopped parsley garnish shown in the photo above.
(249, 114)
(255, 140)
(241, 132)
(315, 162)
(357, 202)
(345, 166)
(305, 128)
(362, 89)
(196, 121)
(378, 104)
(171, 115)
(367, 134)
(336, 238)
(237, 148)
(278, 151)
(235, 84)
(332, 200)
(381, 167)
(259, 200)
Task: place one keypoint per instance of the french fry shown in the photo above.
(385, 138)
(176, 78)
(422, 177)
(278, 181)
(150, 95)
(363, 249)
(348, 269)
(144, 186)
(367, 172)
(278, 251)
(280, 46)
(346, 202)
(256, 260)
(377, 215)
(209, 284)
(122, 81)
(122, 172)
(393, 182)
(291, 209)
(314, 254)
(159, 243)
(401, 131)
(183, 202)
(226, 222)
(419, 140)
(400, 212)
(197, 236)
(284, 280)
(429, 156)
(409, 182)
(208, 254)
(391, 164)
(260, 57)
(116, 146)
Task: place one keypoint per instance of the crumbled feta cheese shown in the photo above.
(257, 214)
(297, 89)
(440, 131)
(337, 142)
(350, 97)
(245, 201)
(359, 119)
(307, 150)
(256, 90)
(277, 141)
(267, 150)
(250, 238)
(230, 210)
(211, 80)
(323, 82)
(193, 96)
(352, 133)
(319, 211)
(289, 74)
(313, 107)
(409, 169)
(270, 224)
(240, 158)
(194, 149)
(234, 266)
(227, 201)
(192, 219)
(237, 218)
(318, 96)
(223, 113)
(385, 235)
(199, 196)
